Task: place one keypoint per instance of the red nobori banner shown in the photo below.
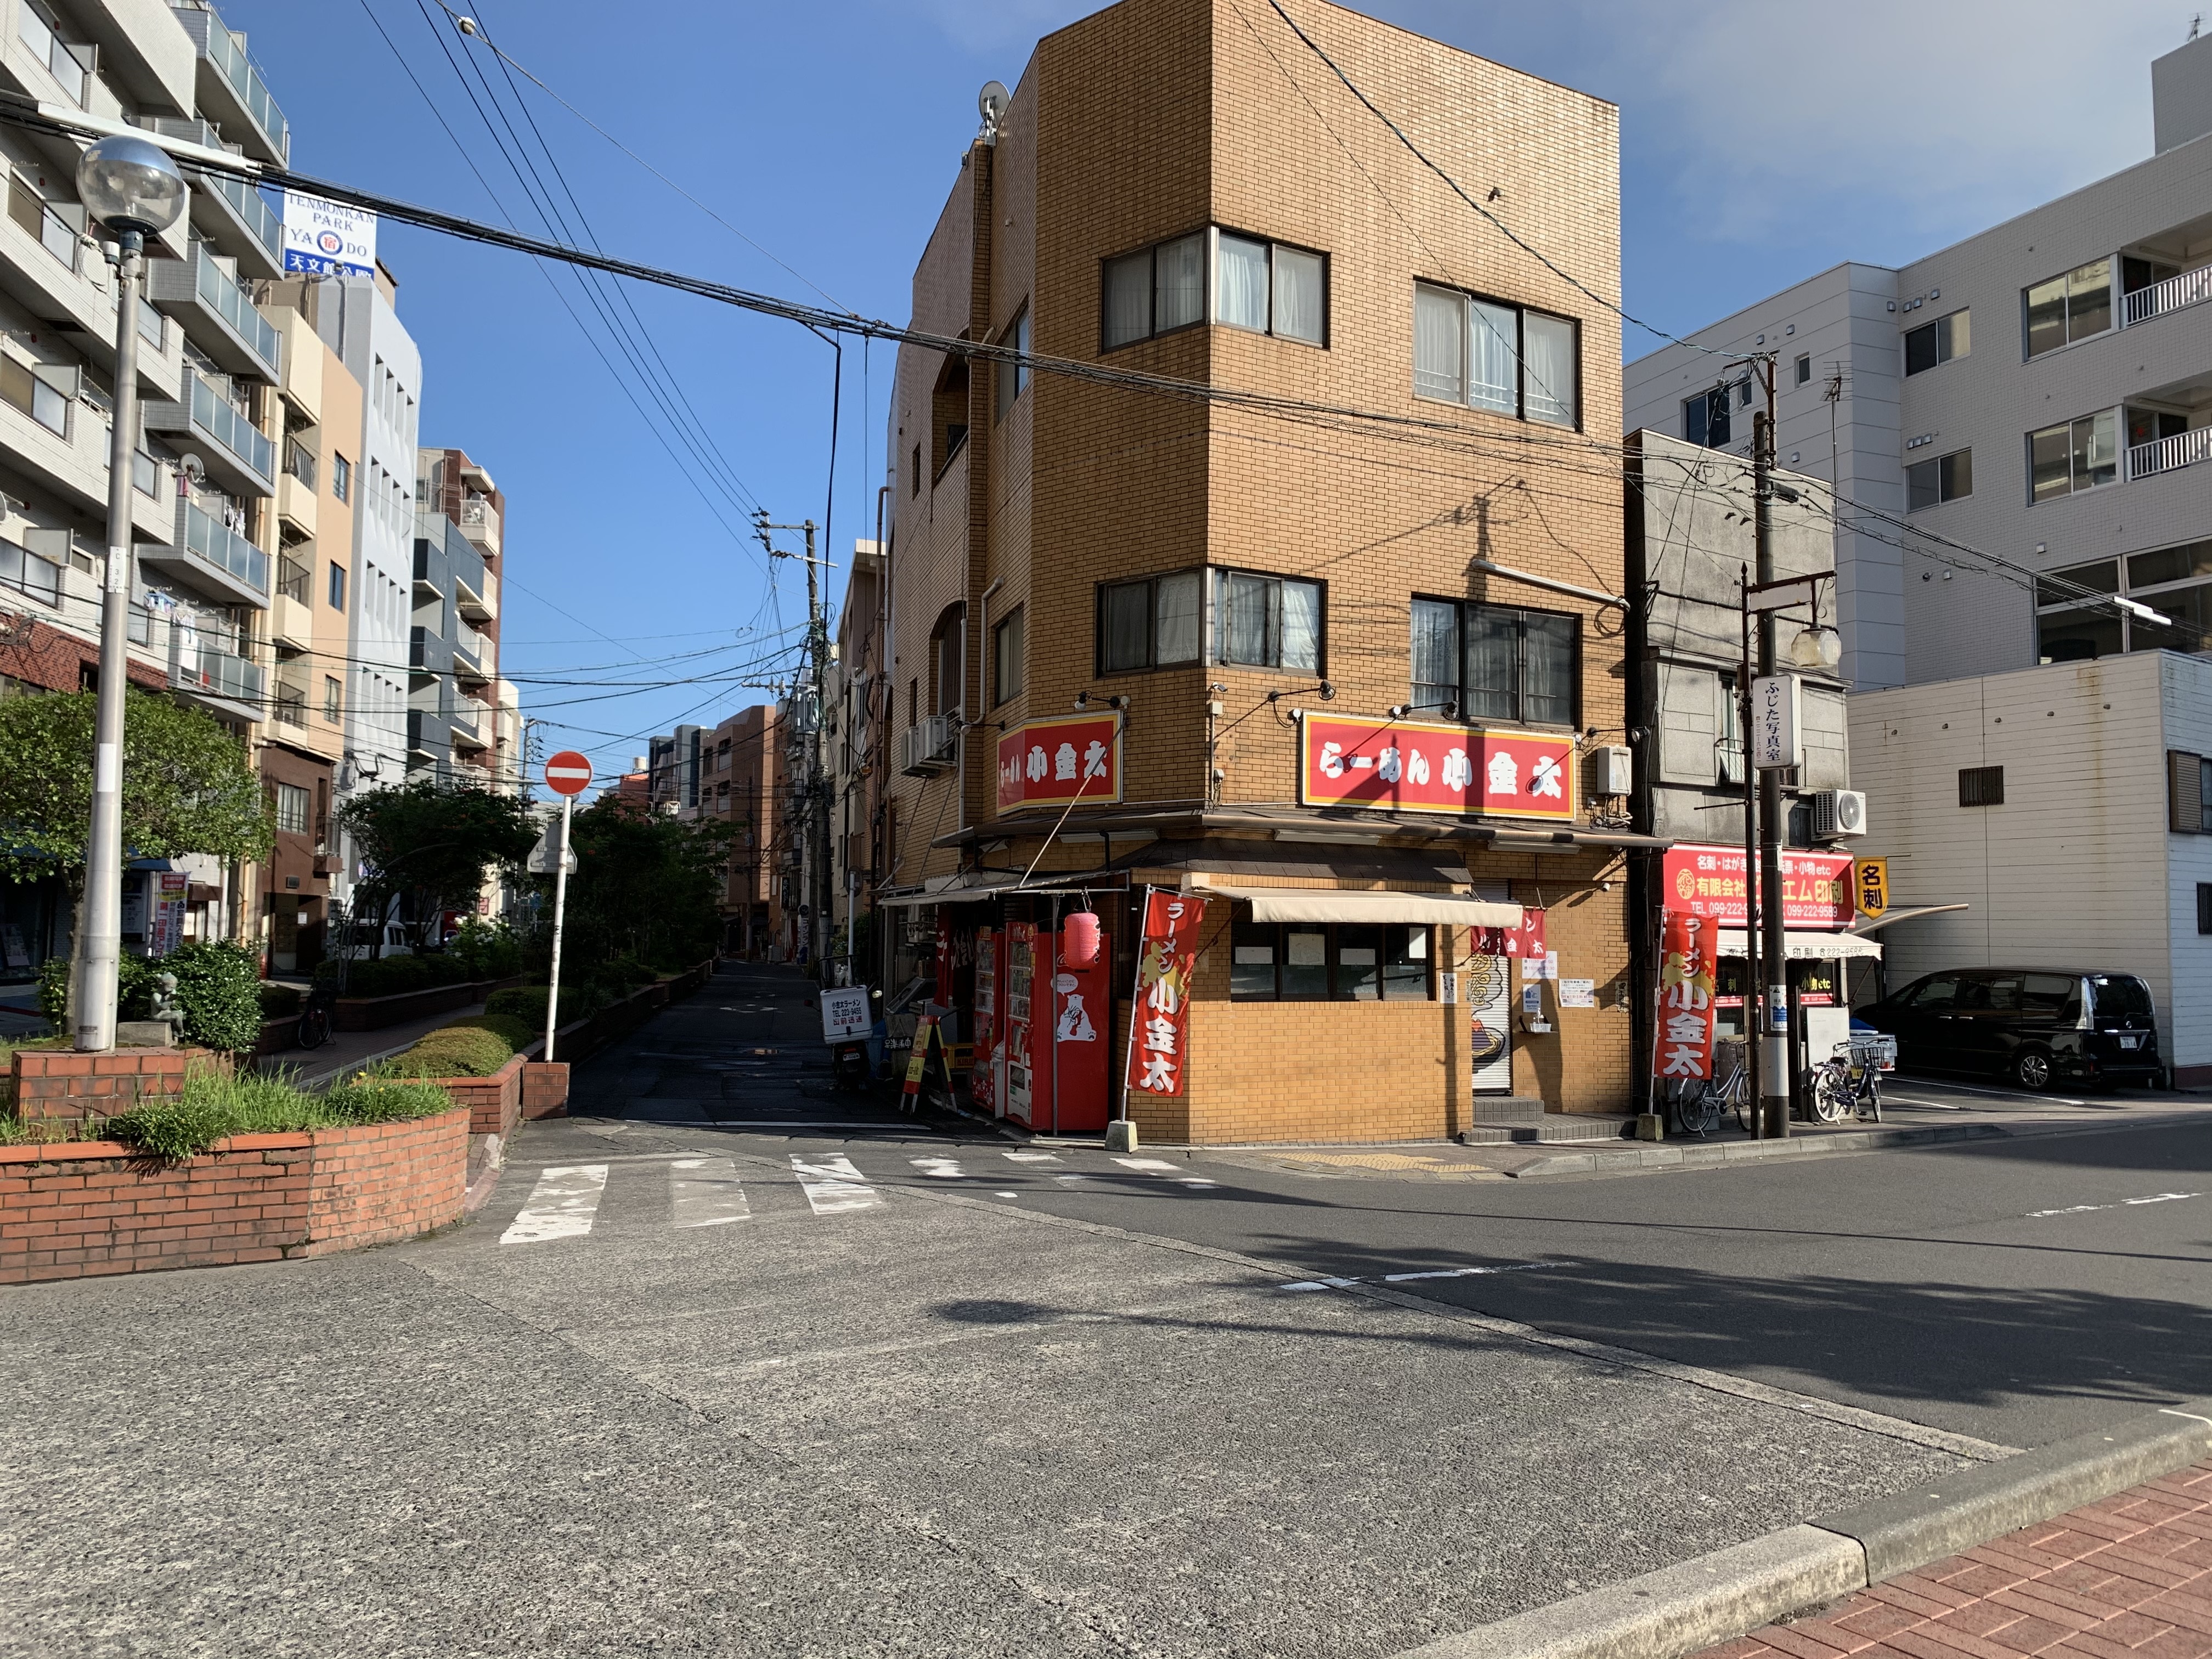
(1687, 959)
(1076, 756)
(1159, 1018)
(1708, 882)
(1525, 941)
(1409, 766)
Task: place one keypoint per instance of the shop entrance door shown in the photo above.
(1487, 985)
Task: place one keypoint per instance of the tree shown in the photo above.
(646, 886)
(434, 841)
(188, 786)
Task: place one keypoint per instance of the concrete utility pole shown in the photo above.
(1774, 1074)
(814, 881)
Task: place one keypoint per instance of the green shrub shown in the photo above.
(517, 1034)
(372, 1099)
(524, 1002)
(134, 984)
(213, 1106)
(484, 949)
(389, 977)
(219, 988)
(279, 1001)
(456, 1051)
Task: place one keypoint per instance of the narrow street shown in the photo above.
(730, 1364)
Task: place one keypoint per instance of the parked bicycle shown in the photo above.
(1700, 1105)
(1849, 1082)
(315, 1024)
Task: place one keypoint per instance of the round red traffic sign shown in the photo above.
(567, 772)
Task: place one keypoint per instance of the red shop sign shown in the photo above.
(1159, 1018)
(1052, 763)
(1708, 882)
(1685, 996)
(1410, 766)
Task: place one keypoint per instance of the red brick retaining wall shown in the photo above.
(79, 1208)
(63, 1084)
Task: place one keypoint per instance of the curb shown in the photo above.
(1751, 1151)
(1700, 1604)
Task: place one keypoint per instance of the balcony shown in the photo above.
(213, 560)
(471, 655)
(296, 490)
(231, 90)
(480, 524)
(2190, 287)
(428, 652)
(289, 706)
(217, 315)
(228, 683)
(291, 623)
(467, 720)
(2170, 454)
(226, 210)
(239, 457)
(930, 745)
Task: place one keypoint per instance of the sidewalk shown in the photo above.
(2127, 1579)
(318, 1066)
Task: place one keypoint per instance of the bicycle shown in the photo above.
(314, 1027)
(1849, 1082)
(1699, 1107)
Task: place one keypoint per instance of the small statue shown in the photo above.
(166, 1010)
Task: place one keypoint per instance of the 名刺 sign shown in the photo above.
(1411, 766)
(1870, 886)
(1055, 761)
(1709, 882)
(1777, 723)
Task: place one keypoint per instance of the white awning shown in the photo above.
(1807, 946)
(1333, 904)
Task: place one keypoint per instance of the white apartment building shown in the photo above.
(2039, 393)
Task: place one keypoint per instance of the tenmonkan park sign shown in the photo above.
(328, 238)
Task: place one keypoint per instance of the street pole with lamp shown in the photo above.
(134, 190)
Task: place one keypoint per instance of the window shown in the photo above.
(1310, 961)
(341, 476)
(1936, 343)
(1266, 288)
(1012, 377)
(333, 700)
(2068, 308)
(2204, 907)
(1804, 370)
(2189, 793)
(30, 210)
(2051, 996)
(1728, 749)
(1488, 354)
(28, 573)
(1152, 624)
(2078, 455)
(914, 473)
(1006, 658)
(71, 64)
(1939, 991)
(1490, 662)
(292, 809)
(1946, 478)
(337, 586)
(23, 387)
(1705, 418)
(1266, 622)
(1981, 786)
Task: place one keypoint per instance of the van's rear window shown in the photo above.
(2119, 995)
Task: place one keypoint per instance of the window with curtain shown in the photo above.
(1266, 622)
(1151, 624)
(1492, 662)
(1316, 962)
(1265, 287)
(1489, 354)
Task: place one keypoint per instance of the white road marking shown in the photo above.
(562, 1204)
(1408, 1279)
(833, 1184)
(1077, 1179)
(939, 1169)
(1195, 1181)
(2083, 1209)
(1032, 1157)
(705, 1192)
(1143, 1163)
(1002, 1195)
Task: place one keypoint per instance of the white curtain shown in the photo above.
(1551, 346)
(1240, 284)
(1436, 351)
(1494, 348)
(1178, 618)
(1301, 626)
(1129, 299)
(1298, 296)
(1179, 283)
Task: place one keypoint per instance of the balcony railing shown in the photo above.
(300, 462)
(216, 287)
(2189, 289)
(224, 53)
(2167, 454)
(480, 524)
(466, 639)
(225, 549)
(293, 579)
(252, 212)
(218, 673)
(211, 415)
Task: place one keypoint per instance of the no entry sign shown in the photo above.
(567, 772)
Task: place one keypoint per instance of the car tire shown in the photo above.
(2031, 1069)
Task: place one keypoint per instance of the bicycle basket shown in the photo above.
(1874, 1047)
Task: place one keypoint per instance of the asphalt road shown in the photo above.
(735, 1366)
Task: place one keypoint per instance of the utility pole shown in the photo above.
(1774, 1072)
(815, 874)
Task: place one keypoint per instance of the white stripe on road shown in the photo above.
(1032, 1157)
(833, 1184)
(562, 1204)
(2083, 1209)
(1408, 1279)
(938, 1169)
(1143, 1163)
(705, 1192)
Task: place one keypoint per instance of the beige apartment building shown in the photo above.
(1337, 673)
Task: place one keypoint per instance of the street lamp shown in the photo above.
(132, 188)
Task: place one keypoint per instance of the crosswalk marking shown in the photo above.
(1032, 1157)
(938, 1169)
(562, 1204)
(832, 1184)
(705, 1192)
(1143, 1163)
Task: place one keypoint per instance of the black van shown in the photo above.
(2034, 1025)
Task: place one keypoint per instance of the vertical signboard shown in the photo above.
(1687, 959)
(1159, 1018)
(1778, 724)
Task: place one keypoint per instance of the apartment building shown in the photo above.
(1333, 676)
(854, 693)
(210, 368)
(2041, 393)
(455, 697)
(736, 773)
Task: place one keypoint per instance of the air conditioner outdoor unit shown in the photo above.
(1611, 771)
(928, 747)
(1838, 812)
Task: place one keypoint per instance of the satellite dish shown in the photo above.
(992, 102)
(193, 467)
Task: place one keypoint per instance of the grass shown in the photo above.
(213, 1106)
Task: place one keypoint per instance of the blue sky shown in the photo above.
(1760, 142)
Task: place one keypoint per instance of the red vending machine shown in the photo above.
(1056, 1029)
(987, 1083)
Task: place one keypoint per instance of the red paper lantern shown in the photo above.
(1078, 939)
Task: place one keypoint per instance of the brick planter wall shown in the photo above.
(494, 1103)
(81, 1208)
(63, 1084)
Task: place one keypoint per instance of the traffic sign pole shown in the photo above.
(568, 775)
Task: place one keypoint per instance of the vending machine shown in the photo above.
(1056, 1035)
(987, 1083)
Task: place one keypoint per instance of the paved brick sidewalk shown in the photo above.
(2128, 1578)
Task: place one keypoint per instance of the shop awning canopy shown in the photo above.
(1807, 946)
(1330, 904)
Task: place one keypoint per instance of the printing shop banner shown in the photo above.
(1159, 1020)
